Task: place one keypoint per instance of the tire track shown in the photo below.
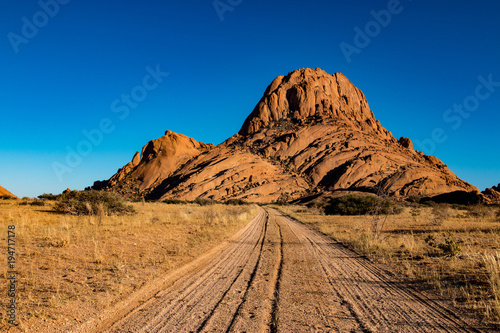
(217, 306)
(167, 307)
(273, 324)
(374, 297)
(250, 280)
(278, 275)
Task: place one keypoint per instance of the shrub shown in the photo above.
(37, 202)
(498, 215)
(449, 246)
(235, 202)
(48, 196)
(205, 201)
(441, 212)
(280, 202)
(92, 202)
(174, 202)
(316, 204)
(415, 211)
(479, 211)
(354, 204)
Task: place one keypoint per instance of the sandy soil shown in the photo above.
(277, 275)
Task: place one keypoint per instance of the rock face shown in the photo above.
(311, 133)
(4, 192)
(309, 96)
(492, 195)
(158, 160)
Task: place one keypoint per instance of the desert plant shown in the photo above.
(316, 204)
(354, 204)
(37, 202)
(174, 202)
(414, 199)
(235, 202)
(441, 212)
(448, 245)
(415, 212)
(92, 202)
(479, 211)
(492, 262)
(205, 201)
(48, 196)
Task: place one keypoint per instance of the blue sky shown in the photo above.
(67, 70)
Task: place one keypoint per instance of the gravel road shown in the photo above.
(277, 275)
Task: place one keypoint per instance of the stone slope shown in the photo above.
(311, 132)
(4, 192)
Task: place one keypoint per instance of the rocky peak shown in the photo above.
(158, 160)
(307, 96)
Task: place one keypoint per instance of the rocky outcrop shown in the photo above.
(5, 193)
(158, 160)
(492, 195)
(311, 133)
(405, 142)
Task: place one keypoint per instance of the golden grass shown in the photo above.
(446, 249)
(70, 268)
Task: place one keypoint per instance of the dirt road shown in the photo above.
(280, 276)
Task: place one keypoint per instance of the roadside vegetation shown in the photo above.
(71, 255)
(454, 250)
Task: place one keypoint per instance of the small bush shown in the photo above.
(479, 211)
(449, 246)
(354, 204)
(235, 202)
(415, 212)
(48, 196)
(37, 202)
(6, 197)
(92, 202)
(441, 212)
(281, 203)
(316, 204)
(174, 202)
(205, 201)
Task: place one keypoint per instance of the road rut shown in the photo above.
(281, 276)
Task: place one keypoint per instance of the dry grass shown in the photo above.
(70, 268)
(452, 251)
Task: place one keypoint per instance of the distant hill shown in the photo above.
(312, 134)
(4, 192)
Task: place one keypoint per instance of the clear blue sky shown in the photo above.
(74, 68)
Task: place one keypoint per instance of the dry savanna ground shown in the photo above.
(70, 268)
(455, 252)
